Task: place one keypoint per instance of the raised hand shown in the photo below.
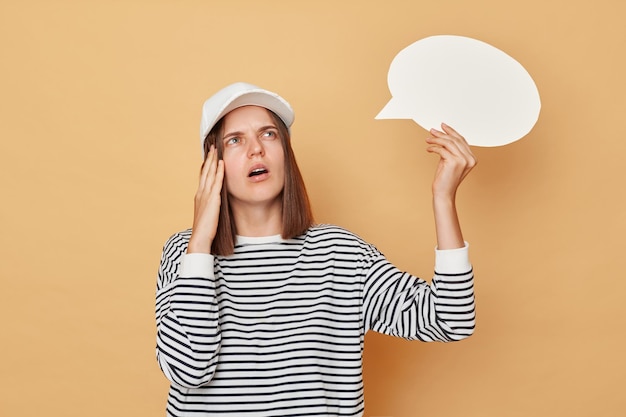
(207, 204)
(456, 159)
(455, 162)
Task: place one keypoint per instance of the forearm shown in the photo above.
(447, 226)
(188, 334)
(455, 162)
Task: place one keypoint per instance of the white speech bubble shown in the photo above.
(483, 93)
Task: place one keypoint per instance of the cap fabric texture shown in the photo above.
(238, 95)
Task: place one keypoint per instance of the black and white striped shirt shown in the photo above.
(277, 329)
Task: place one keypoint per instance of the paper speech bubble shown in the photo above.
(483, 93)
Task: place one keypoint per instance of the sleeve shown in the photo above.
(399, 304)
(188, 333)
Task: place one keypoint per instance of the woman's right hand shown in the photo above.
(207, 204)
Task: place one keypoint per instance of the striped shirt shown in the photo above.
(277, 328)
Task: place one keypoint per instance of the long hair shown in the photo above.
(297, 215)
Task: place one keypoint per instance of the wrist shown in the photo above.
(199, 245)
(444, 200)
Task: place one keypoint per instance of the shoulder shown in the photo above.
(173, 251)
(331, 230)
(176, 244)
(328, 235)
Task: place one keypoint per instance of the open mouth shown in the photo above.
(257, 171)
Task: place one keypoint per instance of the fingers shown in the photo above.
(456, 159)
(207, 172)
(450, 131)
(451, 138)
(210, 184)
(211, 178)
(449, 143)
(207, 203)
(219, 180)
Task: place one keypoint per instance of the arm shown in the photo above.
(188, 333)
(455, 162)
(402, 305)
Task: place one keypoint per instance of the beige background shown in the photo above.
(99, 152)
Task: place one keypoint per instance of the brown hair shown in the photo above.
(296, 208)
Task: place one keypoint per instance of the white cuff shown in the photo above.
(196, 265)
(452, 261)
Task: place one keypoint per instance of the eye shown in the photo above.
(270, 134)
(233, 140)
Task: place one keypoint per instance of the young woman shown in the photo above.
(259, 311)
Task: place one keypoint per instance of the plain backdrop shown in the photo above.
(99, 155)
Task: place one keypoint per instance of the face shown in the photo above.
(253, 158)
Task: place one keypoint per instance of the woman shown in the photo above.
(262, 313)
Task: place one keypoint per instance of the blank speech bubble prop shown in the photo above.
(483, 93)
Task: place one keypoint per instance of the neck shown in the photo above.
(258, 220)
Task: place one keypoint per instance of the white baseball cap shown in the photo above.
(238, 95)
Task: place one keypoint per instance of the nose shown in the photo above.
(255, 147)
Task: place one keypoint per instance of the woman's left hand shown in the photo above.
(455, 162)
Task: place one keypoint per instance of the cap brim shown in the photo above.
(261, 98)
